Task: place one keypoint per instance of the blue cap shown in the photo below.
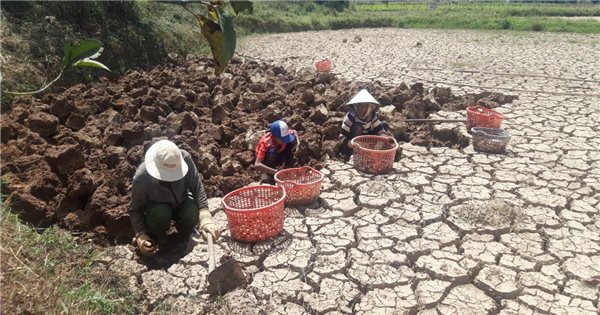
(279, 129)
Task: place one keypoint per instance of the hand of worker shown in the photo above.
(338, 144)
(350, 144)
(297, 142)
(386, 133)
(208, 225)
(306, 169)
(146, 245)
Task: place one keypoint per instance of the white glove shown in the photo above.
(208, 225)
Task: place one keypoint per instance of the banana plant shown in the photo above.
(81, 55)
(217, 27)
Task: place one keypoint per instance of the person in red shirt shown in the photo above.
(275, 148)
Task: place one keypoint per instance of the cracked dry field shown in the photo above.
(448, 231)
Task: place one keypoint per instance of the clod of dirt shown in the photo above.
(71, 156)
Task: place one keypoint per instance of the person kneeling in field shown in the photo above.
(361, 120)
(275, 148)
(167, 186)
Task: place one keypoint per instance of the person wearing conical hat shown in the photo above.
(167, 186)
(360, 120)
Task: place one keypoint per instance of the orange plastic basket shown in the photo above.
(302, 184)
(478, 116)
(374, 154)
(323, 65)
(255, 213)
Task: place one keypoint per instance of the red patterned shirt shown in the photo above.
(266, 143)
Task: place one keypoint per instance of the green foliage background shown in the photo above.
(134, 34)
(143, 33)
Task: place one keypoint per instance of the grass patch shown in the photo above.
(277, 17)
(499, 8)
(50, 273)
(495, 213)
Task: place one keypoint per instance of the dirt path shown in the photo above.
(426, 239)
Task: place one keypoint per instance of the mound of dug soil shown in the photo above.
(69, 157)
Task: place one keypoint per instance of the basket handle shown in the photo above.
(480, 109)
(498, 115)
(391, 139)
(478, 132)
(288, 182)
(306, 169)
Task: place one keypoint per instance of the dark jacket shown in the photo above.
(147, 190)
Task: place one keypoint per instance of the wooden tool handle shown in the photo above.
(211, 253)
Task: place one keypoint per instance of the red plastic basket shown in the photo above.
(302, 184)
(255, 213)
(478, 116)
(323, 65)
(374, 154)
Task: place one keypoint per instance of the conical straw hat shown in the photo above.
(363, 97)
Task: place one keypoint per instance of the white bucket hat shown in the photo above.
(363, 97)
(164, 161)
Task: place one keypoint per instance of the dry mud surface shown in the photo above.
(449, 230)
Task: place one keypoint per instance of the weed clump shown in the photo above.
(494, 213)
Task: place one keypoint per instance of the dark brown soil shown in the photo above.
(69, 157)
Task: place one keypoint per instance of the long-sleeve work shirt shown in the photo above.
(371, 125)
(148, 190)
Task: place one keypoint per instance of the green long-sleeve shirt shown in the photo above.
(147, 189)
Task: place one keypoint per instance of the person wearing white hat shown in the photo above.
(167, 186)
(360, 120)
(275, 148)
